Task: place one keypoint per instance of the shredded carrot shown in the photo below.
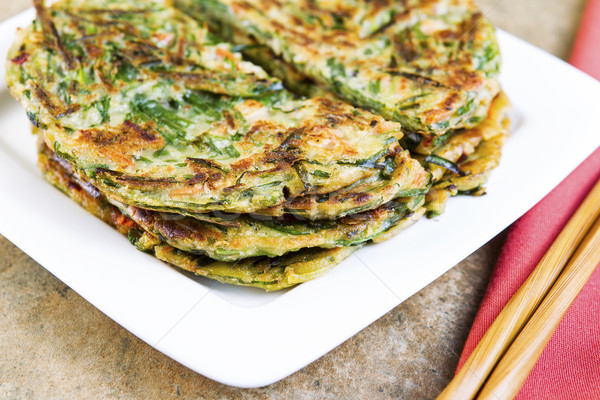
(129, 223)
(122, 220)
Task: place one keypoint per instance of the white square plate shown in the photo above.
(245, 337)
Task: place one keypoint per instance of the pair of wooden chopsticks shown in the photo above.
(508, 351)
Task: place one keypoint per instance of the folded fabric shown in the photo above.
(586, 49)
(569, 367)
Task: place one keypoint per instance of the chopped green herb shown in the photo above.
(143, 159)
(211, 145)
(442, 162)
(86, 76)
(321, 174)
(103, 106)
(337, 69)
(134, 236)
(244, 47)
(206, 104)
(466, 108)
(443, 138)
(231, 151)
(33, 117)
(146, 109)
(63, 87)
(126, 72)
(476, 120)
(375, 87)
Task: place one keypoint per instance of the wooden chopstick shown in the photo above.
(514, 367)
(511, 320)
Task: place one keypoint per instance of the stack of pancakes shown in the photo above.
(261, 143)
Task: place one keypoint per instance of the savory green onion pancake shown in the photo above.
(156, 113)
(465, 161)
(262, 272)
(430, 65)
(249, 237)
(206, 161)
(233, 237)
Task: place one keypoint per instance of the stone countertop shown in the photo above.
(56, 345)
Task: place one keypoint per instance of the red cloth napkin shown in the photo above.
(586, 49)
(569, 367)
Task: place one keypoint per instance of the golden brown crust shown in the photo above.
(121, 144)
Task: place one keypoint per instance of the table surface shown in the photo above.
(56, 345)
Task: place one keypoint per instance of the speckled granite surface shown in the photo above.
(53, 344)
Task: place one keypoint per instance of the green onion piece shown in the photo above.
(442, 162)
